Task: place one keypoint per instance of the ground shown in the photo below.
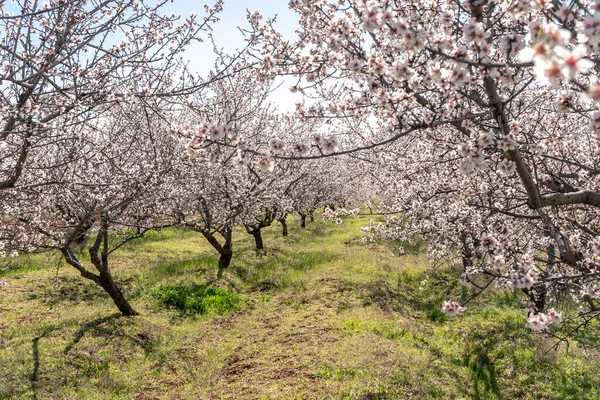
(321, 315)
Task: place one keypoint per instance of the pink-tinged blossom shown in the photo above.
(402, 70)
(464, 149)
(548, 72)
(507, 167)
(300, 148)
(498, 261)
(266, 164)
(507, 143)
(565, 101)
(355, 65)
(474, 32)
(330, 145)
(573, 62)
(537, 322)
(593, 91)
(575, 239)
(276, 145)
(592, 291)
(215, 131)
(485, 139)
(596, 246)
(488, 242)
(589, 29)
(241, 144)
(452, 308)
(554, 316)
(372, 18)
(542, 4)
(540, 149)
(239, 161)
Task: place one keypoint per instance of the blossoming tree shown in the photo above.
(67, 62)
(111, 180)
(502, 92)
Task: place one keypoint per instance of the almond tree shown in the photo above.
(66, 62)
(111, 180)
(503, 91)
(220, 182)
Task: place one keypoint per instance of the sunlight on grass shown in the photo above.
(318, 315)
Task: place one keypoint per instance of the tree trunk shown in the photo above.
(539, 297)
(258, 239)
(82, 235)
(109, 285)
(538, 292)
(104, 280)
(284, 227)
(224, 262)
(312, 216)
(225, 250)
(303, 220)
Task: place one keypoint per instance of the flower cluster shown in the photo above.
(452, 308)
(540, 322)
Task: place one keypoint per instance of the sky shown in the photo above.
(228, 36)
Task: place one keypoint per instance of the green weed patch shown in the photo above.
(198, 299)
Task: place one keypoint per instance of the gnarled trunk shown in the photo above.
(284, 227)
(82, 235)
(225, 250)
(109, 285)
(258, 240)
(224, 261)
(104, 278)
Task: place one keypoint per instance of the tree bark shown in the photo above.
(303, 220)
(224, 261)
(225, 250)
(109, 285)
(284, 227)
(539, 292)
(82, 235)
(258, 240)
(104, 280)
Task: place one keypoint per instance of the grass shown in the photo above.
(319, 316)
(197, 299)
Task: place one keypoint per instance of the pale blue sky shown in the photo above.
(228, 36)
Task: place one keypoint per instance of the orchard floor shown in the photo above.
(320, 316)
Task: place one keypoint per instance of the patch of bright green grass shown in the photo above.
(197, 299)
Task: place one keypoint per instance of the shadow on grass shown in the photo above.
(35, 373)
(201, 264)
(109, 326)
(70, 289)
(279, 270)
(36, 366)
(89, 327)
(483, 372)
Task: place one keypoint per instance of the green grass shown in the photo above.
(197, 299)
(320, 315)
